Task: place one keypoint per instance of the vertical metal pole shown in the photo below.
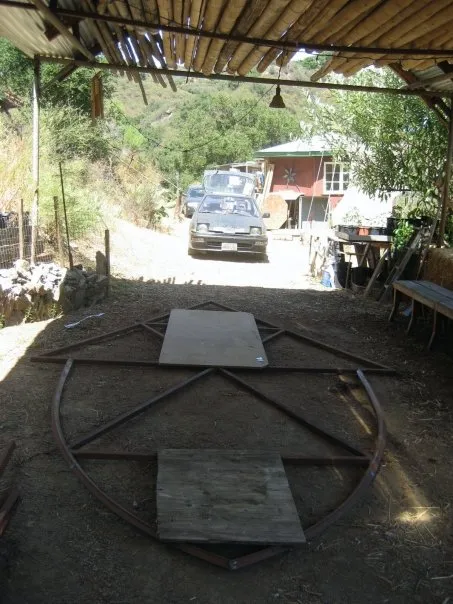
(446, 188)
(107, 258)
(58, 231)
(71, 262)
(301, 200)
(21, 228)
(35, 159)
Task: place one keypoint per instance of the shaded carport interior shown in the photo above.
(222, 40)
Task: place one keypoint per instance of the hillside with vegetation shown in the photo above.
(133, 162)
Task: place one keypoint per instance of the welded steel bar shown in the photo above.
(320, 370)
(93, 340)
(267, 369)
(373, 467)
(128, 415)
(6, 456)
(291, 413)
(110, 503)
(312, 341)
(288, 458)
(7, 508)
(223, 77)
(88, 361)
(153, 331)
(110, 334)
(272, 336)
(258, 556)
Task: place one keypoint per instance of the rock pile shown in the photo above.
(42, 291)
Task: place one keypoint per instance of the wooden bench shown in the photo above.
(423, 293)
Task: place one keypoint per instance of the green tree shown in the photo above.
(393, 142)
(16, 76)
(217, 129)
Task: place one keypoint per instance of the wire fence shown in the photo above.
(16, 235)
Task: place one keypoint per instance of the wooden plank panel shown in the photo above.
(212, 338)
(211, 496)
(424, 291)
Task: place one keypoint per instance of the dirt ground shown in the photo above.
(63, 546)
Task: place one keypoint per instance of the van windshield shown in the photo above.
(215, 204)
(229, 182)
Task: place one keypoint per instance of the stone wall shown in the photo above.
(43, 291)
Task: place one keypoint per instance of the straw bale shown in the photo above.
(251, 13)
(265, 21)
(288, 18)
(438, 267)
(195, 21)
(212, 15)
(227, 22)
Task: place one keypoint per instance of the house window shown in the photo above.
(336, 177)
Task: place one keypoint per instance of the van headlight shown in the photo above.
(202, 228)
(255, 230)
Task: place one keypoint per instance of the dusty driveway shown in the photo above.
(64, 547)
(142, 254)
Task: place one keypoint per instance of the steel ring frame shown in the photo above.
(373, 463)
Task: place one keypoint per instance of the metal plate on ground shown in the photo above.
(212, 338)
(218, 496)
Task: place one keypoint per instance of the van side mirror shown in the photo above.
(266, 215)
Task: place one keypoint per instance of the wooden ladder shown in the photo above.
(399, 267)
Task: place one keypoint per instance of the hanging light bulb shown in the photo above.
(277, 102)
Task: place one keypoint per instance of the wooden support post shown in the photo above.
(58, 236)
(20, 213)
(107, 259)
(35, 160)
(446, 188)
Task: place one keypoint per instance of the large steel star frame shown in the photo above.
(76, 452)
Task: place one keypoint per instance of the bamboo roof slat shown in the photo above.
(164, 16)
(288, 18)
(258, 29)
(381, 20)
(420, 29)
(305, 28)
(160, 57)
(317, 24)
(416, 12)
(195, 21)
(213, 13)
(185, 19)
(178, 18)
(225, 26)
(98, 34)
(351, 13)
(399, 24)
(251, 13)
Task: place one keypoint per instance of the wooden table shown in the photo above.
(370, 247)
(423, 293)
